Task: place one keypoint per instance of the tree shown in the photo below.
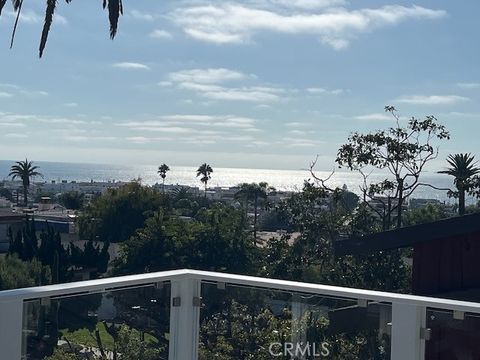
(6, 193)
(128, 345)
(205, 172)
(213, 240)
(115, 9)
(24, 170)
(162, 171)
(462, 168)
(15, 273)
(257, 194)
(400, 151)
(72, 200)
(426, 214)
(116, 215)
(320, 218)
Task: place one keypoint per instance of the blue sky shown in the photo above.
(253, 83)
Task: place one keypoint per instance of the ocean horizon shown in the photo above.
(284, 180)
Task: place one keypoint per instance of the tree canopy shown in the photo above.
(463, 169)
(116, 215)
(15, 273)
(402, 152)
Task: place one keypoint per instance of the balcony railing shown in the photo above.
(189, 315)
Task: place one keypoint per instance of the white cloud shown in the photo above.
(193, 121)
(319, 91)
(294, 142)
(13, 90)
(16, 136)
(161, 34)
(300, 132)
(9, 86)
(21, 120)
(373, 117)
(140, 15)
(460, 115)
(33, 93)
(206, 76)
(138, 139)
(243, 94)
(31, 17)
(297, 124)
(81, 138)
(131, 66)
(71, 104)
(234, 22)
(306, 4)
(11, 124)
(470, 85)
(432, 99)
(208, 83)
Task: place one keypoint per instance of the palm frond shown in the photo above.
(51, 4)
(462, 167)
(115, 9)
(2, 4)
(17, 6)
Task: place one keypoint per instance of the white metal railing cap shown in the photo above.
(242, 280)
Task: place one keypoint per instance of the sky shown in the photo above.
(252, 84)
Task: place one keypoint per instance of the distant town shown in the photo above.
(46, 207)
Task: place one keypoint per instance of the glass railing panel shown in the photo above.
(238, 322)
(130, 323)
(452, 335)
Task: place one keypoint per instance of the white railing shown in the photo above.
(408, 318)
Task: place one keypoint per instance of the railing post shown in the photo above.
(11, 323)
(407, 324)
(184, 319)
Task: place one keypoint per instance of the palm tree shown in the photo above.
(462, 168)
(162, 171)
(205, 172)
(257, 193)
(115, 9)
(24, 170)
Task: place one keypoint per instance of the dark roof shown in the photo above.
(7, 216)
(409, 236)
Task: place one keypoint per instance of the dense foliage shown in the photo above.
(72, 200)
(61, 260)
(15, 273)
(214, 239)
(115, 216)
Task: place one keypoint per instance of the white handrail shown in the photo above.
(106, 284)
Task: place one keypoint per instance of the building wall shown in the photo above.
(447, 265)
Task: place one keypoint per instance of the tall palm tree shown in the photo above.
(162, 171)
(205, 172)
(24, 170)
(257, 194)
(462, 168)
(115, 9)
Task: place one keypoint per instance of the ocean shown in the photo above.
(288, 180)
